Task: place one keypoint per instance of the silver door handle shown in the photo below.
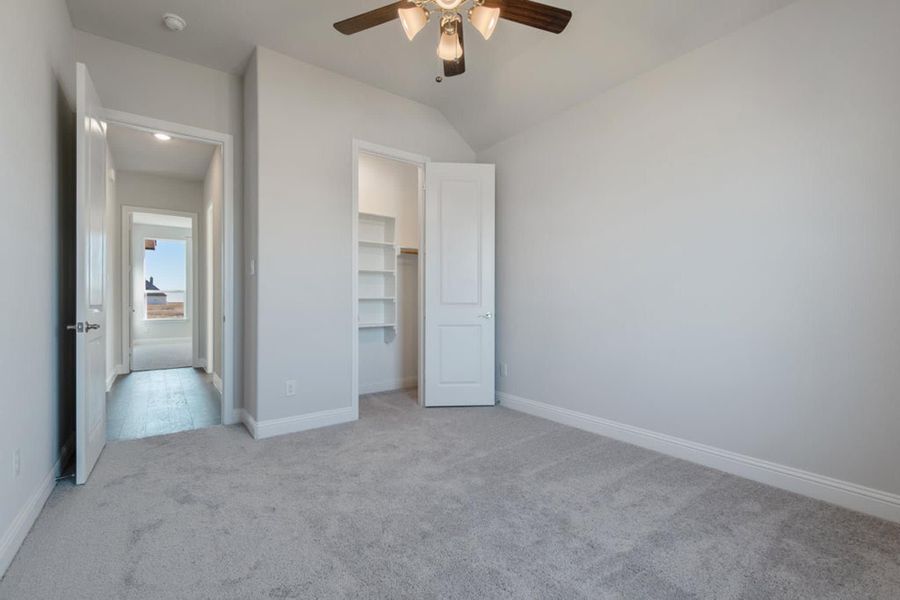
(486, 316)
(89, 326)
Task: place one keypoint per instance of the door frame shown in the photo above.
(128, 274)
(420, 161)
(230, 299)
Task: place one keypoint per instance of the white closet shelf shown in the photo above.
(376, 244)
(376, 325)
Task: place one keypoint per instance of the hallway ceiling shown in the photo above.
(138, 151)
(518, 78)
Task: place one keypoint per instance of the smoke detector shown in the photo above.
(173, 22)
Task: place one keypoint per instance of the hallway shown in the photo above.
(148, 403)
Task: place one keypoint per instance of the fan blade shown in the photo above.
(533, 14)
(372, 18)
(452, 68)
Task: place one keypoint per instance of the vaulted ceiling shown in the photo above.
(518, 78)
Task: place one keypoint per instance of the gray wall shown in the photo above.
(711, 250)
(306, 119)
(145, 83)
(37, 141)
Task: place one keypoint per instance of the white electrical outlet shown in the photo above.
(504, 370)
(290, 387)
(17, 462)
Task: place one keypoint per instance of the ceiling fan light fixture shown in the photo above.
(449, 47)
(485, 20)
(414, 20)
(448, 4)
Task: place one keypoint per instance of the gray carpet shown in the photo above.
(441, 503)
(151, 355)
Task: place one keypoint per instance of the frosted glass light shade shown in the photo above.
(413, 20)
(485, 20)
(449, 48)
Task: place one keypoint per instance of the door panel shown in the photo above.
(90, 312)
(460, 354)
(460, 212)
(459, 285)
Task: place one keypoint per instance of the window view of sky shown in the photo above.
(167, 265)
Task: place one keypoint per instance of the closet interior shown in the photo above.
(388, 263)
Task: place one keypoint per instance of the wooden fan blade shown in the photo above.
(533, 14)
(373, 18)
(452, 68)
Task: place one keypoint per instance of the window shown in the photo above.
(165, 279)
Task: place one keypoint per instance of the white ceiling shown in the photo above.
(518, 78)
(138, 151)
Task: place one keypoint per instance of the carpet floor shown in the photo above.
(150, 355)
(439, 503)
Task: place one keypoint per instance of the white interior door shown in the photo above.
(90, 311)
(459, 285)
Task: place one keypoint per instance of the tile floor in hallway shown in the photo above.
(147, 403)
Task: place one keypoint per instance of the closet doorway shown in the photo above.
(388, 186)
(422, 242)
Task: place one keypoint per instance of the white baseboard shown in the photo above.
(388, 385)
(111, 378)
(15, 534)
(265, 429)
(217, 382)
(834, 491)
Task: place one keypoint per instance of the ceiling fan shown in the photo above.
(484, 15)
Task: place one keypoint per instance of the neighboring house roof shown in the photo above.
(149, 285)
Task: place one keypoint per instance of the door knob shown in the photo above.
(89, 326)
(487, 316)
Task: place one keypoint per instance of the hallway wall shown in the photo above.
(37, 141)
(146, 191)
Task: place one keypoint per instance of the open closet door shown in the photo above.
(459, 285)
(90, 278)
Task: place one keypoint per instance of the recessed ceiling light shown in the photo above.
(162, 137)
(173, 22)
